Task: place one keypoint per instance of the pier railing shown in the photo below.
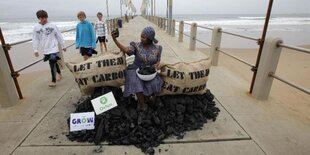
(268, 57)
(15, 73)
(11, 89)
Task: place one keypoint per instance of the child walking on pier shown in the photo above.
(85, 37)
(46, 37)
(101, 32)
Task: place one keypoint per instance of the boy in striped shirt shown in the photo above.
(101, 32)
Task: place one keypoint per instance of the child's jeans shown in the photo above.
(53, 58)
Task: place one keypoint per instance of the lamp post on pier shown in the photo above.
(167, 12)
(170, 2)
(107, 3)
(154, 8)
(121, 5)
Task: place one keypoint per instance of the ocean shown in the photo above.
(293, 29)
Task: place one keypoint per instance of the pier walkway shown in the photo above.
(245, 126)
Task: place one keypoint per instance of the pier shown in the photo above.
(247, 124)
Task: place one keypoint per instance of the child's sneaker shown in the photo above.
(52, 84)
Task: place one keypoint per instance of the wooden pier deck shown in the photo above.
(245, 126)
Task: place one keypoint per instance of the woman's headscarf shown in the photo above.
(149, 32)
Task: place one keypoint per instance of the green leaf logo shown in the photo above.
(103, 100)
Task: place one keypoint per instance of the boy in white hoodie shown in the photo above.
(45, 39)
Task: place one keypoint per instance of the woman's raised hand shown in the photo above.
(115, 34)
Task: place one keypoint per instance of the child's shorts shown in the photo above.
(102, 39)
(53, 57)
(87, 51)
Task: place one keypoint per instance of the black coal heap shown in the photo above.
(165, 116)
(147, 70)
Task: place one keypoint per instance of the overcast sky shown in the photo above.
(65, 8)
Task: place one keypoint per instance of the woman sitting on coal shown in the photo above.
(147, 59)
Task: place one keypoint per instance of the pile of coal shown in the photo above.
(147, 70)
(165, 116)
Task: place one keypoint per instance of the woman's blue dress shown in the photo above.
(150, 56)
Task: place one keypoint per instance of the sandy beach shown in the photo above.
(293, 66)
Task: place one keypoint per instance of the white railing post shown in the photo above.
(268, 63)
(61, 62)
(111, 25)
(157, 20)
(181, 30)
(115, 23)
(215, 44)
(108, 26)
(8, 93)
(173, 28)
(167, 26)
(164, 24)
(193, 36)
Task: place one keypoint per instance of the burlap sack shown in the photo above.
(103, 70)
(186, 78)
